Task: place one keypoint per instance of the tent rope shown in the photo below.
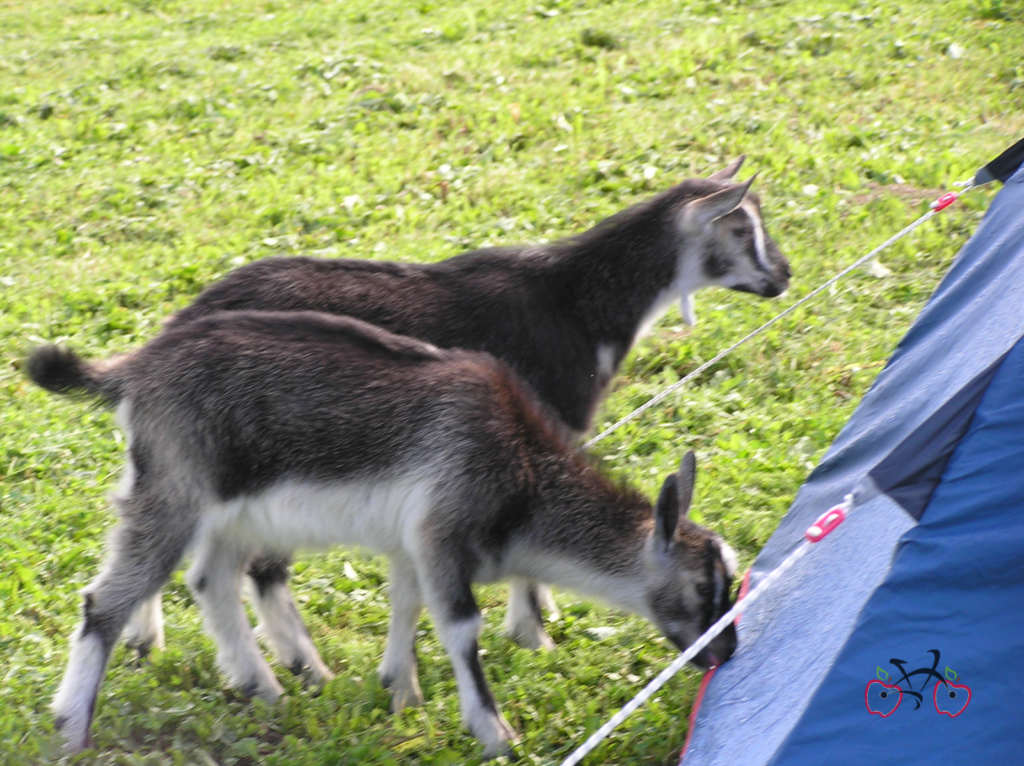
(938, 205)
(821, 528)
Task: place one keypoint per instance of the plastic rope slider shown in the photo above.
(944, 201)
(825, 523)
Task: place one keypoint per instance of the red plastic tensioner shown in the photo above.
(828, 521)
(944, 201)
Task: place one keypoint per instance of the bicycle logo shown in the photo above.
(882, 698)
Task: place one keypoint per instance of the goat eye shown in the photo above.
(740, 233)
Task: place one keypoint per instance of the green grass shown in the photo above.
(148, 147)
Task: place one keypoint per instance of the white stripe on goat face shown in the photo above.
(757, 225)
(729, 562)
(729, 557)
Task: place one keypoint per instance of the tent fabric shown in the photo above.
(787, 691)
(955, 586)
(910, 472)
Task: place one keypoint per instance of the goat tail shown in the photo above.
(62, 371)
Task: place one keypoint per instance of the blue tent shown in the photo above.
(900, 638)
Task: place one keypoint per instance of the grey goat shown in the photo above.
(253, 432)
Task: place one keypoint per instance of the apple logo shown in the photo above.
(951, 699)
(882, 699)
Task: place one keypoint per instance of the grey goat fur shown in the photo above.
(563, 315)
(250, 432)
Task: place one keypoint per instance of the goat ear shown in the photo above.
(686, 477)
(729, 171)
(704, 210)
(666, 512)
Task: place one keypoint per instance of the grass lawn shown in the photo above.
(148, 147)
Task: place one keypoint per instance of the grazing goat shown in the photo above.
(563, 315)
(253, 432)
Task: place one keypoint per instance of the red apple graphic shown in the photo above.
(882, 699)
(951, 699)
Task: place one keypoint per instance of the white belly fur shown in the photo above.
(382, 514)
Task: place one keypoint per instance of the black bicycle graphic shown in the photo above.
(949, 698)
